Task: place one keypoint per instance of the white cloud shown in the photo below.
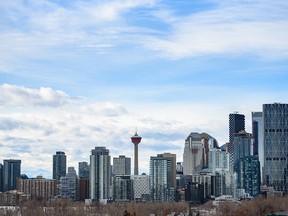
(21, 96)
(36, 133)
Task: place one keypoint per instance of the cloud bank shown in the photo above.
(35, 123)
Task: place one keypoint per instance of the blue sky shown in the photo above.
(72, 68)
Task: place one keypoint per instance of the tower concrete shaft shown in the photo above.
(136, 140)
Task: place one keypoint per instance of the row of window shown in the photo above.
(276, 130)
(276, 158)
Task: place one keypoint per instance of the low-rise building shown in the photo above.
(13, 198)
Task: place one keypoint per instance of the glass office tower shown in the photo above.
(275, 122)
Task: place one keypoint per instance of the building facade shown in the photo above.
(121, 165)
(249, 176)
(84, 190)
(100, 174)
(236, 124)
(161, 180)
(275, 122)
(83, 170)
(243, 146)
(1, 177)
(59, 165)
(198, 188)
(141, 188)
(38, 188)
(122, 188)
(246, 166)
(218, 160)
(11, 171)
(69, 185)
(257, 132)
(222, 183)
(196, 149)
(173, 166)
(12, 198)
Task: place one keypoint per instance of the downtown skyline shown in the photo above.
(75, 74)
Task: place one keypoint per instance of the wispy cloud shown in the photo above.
(236, 27)
(35, 29)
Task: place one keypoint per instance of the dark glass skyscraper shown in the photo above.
(246, 166)
(236, 124)
(275, 121)
(249, 175)
(257, 132)
(243, 143)
(11, 171)
(59, 165)
(1, 177)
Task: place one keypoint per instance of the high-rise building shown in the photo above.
(222, 183)
(59, 165)
(141, 187)
(199, 187)
(179, 168)
(121, 165)
(69, 185)
(244, 165)
(38, 188)
(275, 125)
(161, 178)
(136, 140)
(122, 188)
(249, 175)
(180, 183)
(1, 177)
(12, 171)
(218, 160)
(83, 170)
(100, 174)
(243, 145)
(236, 124)
(173, 166)
(84, 189)
(258, 134)
(196, 149)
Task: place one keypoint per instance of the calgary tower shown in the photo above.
(136, 140)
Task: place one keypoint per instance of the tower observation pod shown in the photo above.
(136, 140)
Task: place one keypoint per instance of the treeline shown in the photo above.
(67, 208)
(260, 206)
(257, 207)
